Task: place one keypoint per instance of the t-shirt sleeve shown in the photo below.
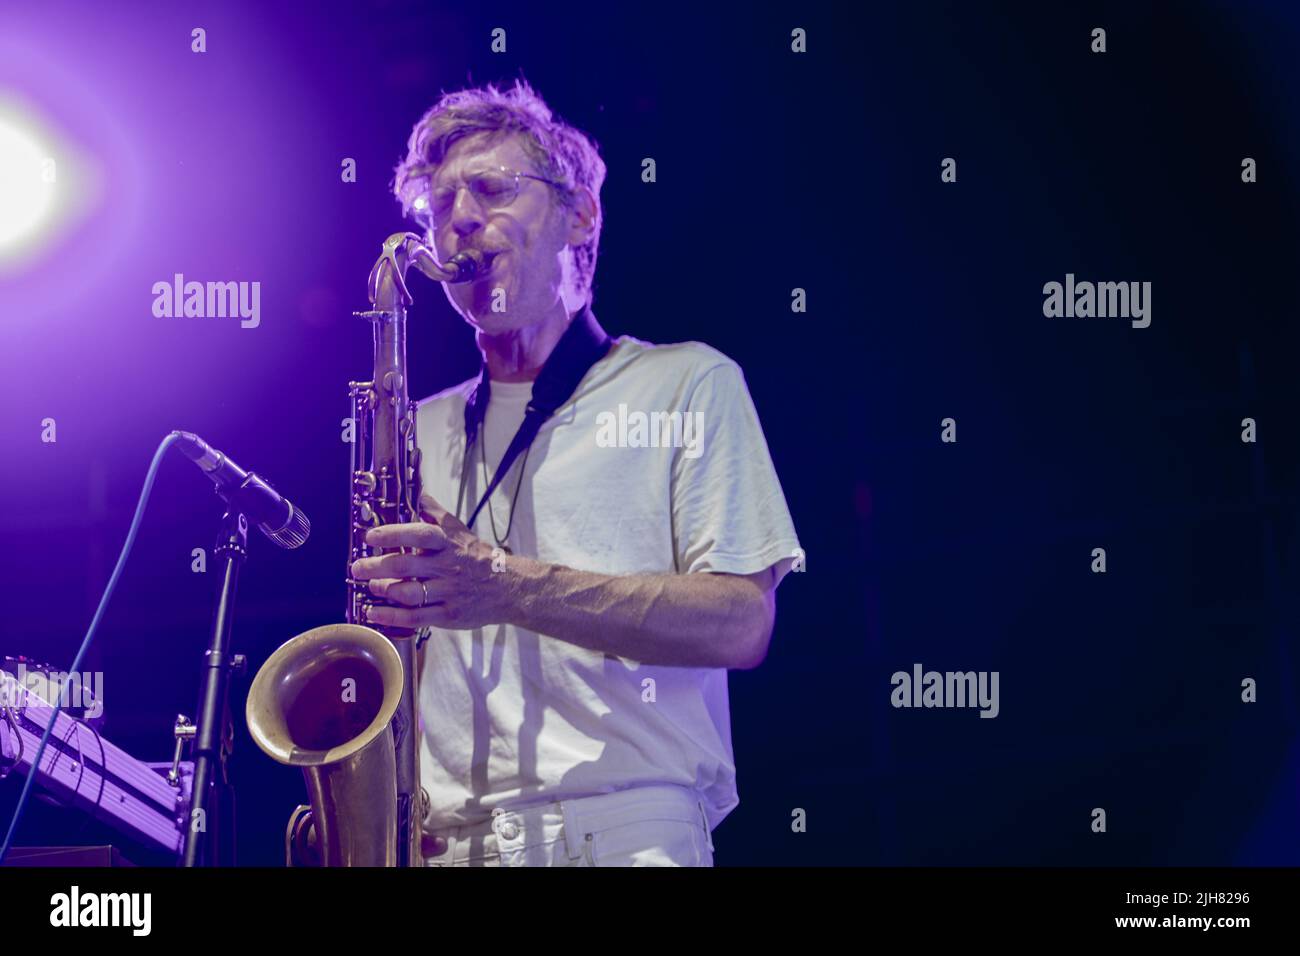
(729, 513)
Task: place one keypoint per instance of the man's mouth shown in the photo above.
(487, 258)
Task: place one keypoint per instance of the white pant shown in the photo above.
(643, 826)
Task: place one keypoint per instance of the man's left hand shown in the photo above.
(454, 584)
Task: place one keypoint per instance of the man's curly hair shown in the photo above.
(560, 151)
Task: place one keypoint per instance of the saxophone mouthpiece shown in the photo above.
(468, 263)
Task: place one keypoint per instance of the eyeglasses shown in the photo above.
(494, 188)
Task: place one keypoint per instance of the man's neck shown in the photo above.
(518, 356)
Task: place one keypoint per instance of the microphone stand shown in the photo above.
(209, 830)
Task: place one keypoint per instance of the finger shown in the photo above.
(427, 537)
(397, 565)
(380, 586)
(432, 616)
(430, 510)
(417, 593)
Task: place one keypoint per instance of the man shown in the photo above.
(582, 615)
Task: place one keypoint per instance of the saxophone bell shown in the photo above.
(324, 702)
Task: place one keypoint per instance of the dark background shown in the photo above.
(775, 171)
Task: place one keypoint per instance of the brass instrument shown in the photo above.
(339, 701)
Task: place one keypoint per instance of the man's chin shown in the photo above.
(492, 323)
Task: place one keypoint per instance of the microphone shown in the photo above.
(277, 518)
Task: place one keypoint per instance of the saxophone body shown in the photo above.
(339, 701)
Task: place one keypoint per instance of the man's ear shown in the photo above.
(582, 216)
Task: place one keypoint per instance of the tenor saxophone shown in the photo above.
(339, 701)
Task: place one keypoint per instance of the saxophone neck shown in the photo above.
(387, 285)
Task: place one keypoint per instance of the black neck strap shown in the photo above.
(583, 344)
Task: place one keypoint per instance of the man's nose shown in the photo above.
(466, 213)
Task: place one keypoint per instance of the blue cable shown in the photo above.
(94, 624)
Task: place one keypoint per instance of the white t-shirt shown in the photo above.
(509, 717)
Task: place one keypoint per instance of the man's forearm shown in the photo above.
(683, 620)
(448, 577)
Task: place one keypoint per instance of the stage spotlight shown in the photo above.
(28, 178)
